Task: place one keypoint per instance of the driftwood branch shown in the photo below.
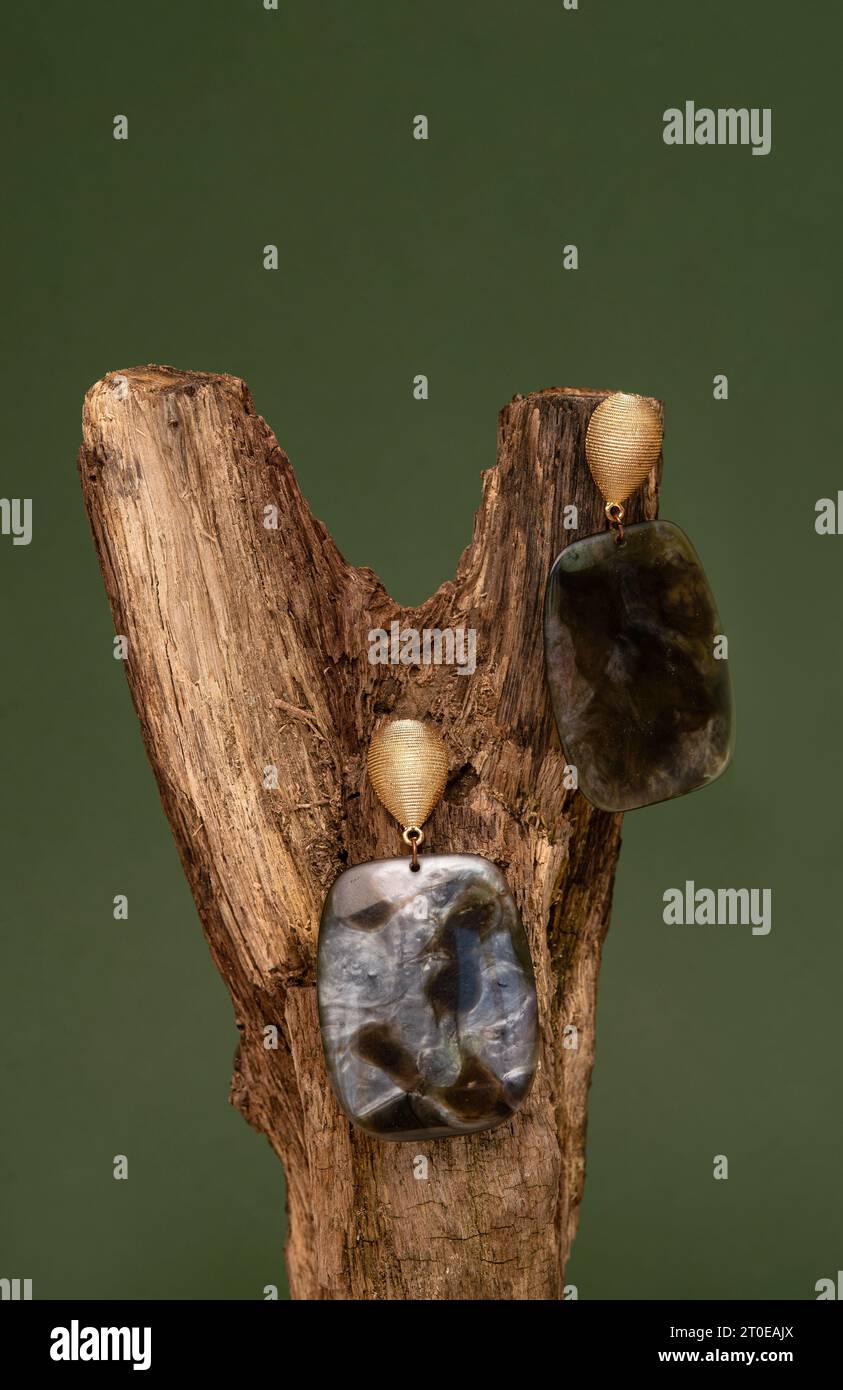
(247, 648)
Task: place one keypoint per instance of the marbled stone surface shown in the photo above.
(427, 1001)
(643, 706)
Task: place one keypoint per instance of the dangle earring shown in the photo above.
(634, 654)
(427, 1000)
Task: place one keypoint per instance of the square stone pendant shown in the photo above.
(427, 1001)
(642, 702)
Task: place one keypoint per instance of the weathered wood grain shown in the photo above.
(248, 648)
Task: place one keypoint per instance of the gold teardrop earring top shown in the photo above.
(622, 443)
(408, 765)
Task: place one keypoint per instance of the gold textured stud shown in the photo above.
(622, 443)
(408, 766)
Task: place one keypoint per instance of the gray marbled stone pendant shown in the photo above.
(427, 1001)
(642, 703)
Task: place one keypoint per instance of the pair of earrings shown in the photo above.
(426, 993)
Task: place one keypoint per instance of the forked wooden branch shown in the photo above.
(247, 648)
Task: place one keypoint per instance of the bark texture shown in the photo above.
(247, 647)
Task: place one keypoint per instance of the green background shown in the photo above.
(400, 257)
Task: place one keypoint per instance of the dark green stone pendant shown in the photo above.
(642, 701)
